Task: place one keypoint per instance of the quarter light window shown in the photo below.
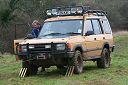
(106, 27)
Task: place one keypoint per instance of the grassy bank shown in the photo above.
(116, 75)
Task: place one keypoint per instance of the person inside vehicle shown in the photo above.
(36, 28)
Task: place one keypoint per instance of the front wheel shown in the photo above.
(60, 67)
(105, 60)
(31, 69)
(77, 62)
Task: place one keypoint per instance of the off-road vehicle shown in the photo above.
(69, 36)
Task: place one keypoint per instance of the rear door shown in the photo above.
(99, 35)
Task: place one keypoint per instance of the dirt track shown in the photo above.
(120, 33)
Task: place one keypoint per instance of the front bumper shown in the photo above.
(45, 55)
(40, 52)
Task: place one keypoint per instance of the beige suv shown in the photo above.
(69, 36)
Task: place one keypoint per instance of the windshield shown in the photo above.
(57, 28)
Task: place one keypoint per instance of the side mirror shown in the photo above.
(29, 36)
(89, 33)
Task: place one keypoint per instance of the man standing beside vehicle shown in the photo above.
(35, 32)
(36, 28)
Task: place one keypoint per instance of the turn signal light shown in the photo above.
(69, 45)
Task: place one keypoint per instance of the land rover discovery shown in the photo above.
(69, 36)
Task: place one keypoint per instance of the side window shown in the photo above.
(97, 27)
(89, 25)
(106, 27)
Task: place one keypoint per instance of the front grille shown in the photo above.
(39, 49)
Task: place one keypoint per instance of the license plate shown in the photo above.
(41, 56)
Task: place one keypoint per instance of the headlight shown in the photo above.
(47, 46)
(21, 48)
(60, 47)
(31, 46)
(24, 48)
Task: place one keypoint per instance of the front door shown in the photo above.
(94, 41)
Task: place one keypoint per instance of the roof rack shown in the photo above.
(74, 11)
(97, 12)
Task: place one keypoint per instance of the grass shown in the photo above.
(117, 74)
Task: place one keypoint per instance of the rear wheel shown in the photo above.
(31, 69)
(104, 61)
(77, 62)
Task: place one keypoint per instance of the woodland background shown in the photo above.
(16, 16)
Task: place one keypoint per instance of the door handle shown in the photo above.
(103, 37)
(94, 38)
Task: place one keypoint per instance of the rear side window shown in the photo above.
(96, 26)
(106, 27)
(89, 25)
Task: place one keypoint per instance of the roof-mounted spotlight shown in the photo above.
(54, 12)
(73, 10)
(49, 12)
(79, 10)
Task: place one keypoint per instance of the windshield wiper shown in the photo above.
(73, 33)
(51, 34)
